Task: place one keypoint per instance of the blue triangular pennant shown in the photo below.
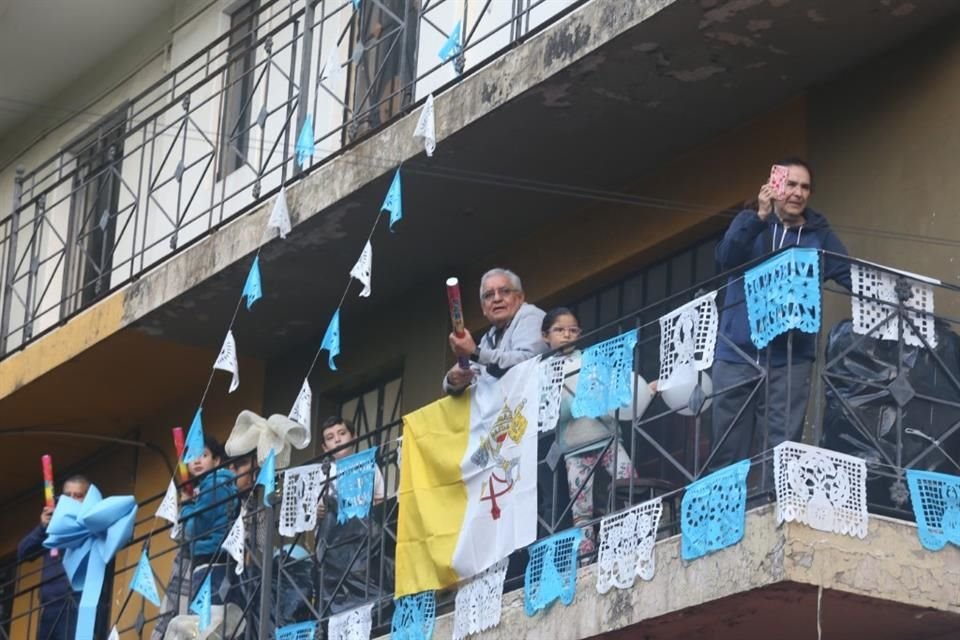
(143, 581)
(194, 443)
(393, 202)
(331, 339)
(356, 4)
(305, 146)
(202, 601)
(451, 47)
(268, 476)
(252, 288)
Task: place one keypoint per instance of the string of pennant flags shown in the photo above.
(143, 581)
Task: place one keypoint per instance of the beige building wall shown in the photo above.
(883, 140)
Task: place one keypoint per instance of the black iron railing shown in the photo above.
(218, 134)
(892, 400)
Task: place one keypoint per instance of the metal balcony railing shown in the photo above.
(218, 134)
(892, 400)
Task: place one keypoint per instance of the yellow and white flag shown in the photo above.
(468, 481)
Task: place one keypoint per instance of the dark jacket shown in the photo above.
(55, 583)
(748, 238)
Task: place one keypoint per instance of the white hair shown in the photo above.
(506, 273)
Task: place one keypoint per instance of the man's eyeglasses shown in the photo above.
(502, 292)
(573, 331)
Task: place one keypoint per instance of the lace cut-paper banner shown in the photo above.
(552, 371)
(713, 511)
(626, 546)
(823, 489)
(688, 337)
(235, 542)
(301, 493)
(298, 631)
(479, 602)
(936, 505)
(351, 625)
(783, 293)
(551, 571)
(355, 479)
(414, 616)
(606, 377)
(875, 298)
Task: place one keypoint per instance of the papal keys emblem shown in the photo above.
(510, 423)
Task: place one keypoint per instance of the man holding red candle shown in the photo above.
(513, 337)
(58, 617)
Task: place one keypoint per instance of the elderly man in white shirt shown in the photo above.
(514, 335)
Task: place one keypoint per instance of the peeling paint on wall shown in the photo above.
(696, 75)
(726, 11)
(566, 43)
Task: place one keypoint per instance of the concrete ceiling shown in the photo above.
(46, 44)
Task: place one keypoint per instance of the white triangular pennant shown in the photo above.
(301, 411)
(363, 269)
(114, 634)
(332, 69)
(169, 509)
(280, 216)
(234, 542)
(227, 360)
(426, 127)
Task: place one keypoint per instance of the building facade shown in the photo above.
(599, 148)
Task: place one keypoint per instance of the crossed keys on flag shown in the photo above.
(510, 423)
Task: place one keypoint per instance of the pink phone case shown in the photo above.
(778, 180)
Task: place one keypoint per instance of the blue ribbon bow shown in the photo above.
(91, 532)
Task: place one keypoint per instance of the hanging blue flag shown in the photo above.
(451, 47)
(268, 476)
(606, 376)
(305, 146)
(252, 289)
(201, 603)
(143, 581)
(414, 617)
(355, 480)
(936, 504)
(331, 339)
(193, 447)
(783, 293)
(298, 631)
(393, 202)
(713, 511)
(551, 572)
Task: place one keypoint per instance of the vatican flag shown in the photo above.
(468, 481)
